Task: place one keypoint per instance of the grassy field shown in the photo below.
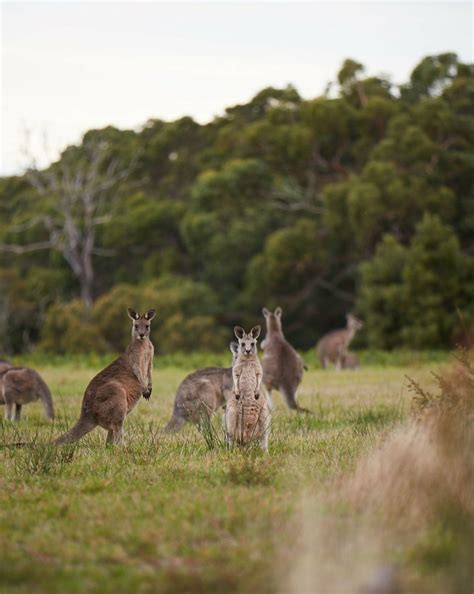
(169, 513)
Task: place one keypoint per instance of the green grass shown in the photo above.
(176, 513)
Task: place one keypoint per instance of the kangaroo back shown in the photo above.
(44, 395)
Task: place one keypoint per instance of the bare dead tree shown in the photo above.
(82, 194)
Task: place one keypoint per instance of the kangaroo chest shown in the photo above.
(247, 374)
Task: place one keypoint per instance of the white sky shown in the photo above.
(71, 66)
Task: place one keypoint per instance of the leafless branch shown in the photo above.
(17, 249)
(83, 198)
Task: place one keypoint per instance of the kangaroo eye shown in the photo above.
(253, 343)
(237, 396)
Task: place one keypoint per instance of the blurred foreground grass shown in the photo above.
(166, 513)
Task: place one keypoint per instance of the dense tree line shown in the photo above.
(361, 199)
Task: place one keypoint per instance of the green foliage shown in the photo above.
(67, 329)
(414, 295)
(185, 321)
(306, 204)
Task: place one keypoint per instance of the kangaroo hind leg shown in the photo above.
(289, 394)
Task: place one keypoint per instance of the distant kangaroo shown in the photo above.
(202, 393)
(282, 366)
(4, 365)
(114, 392)
(350, 361)
(21, 385)
(247, 415)
(333, 346)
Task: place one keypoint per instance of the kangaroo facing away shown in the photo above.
(114, 392)
(333, 346)
(201, 394)
(21, 385)
(247, 416)
(282, 366)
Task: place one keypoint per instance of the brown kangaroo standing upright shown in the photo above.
(21, 385)
(282, 366)
(201, 394)
(332, 348)
(114, 392)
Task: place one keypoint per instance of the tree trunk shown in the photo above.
(86, 293)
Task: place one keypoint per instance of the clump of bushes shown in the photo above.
(186, 319)
(69, 329)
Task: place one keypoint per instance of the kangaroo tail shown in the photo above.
(174, 425)
(46, 399)
(82, 427)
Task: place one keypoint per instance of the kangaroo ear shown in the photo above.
(265, 312)
(239, 331)
(234, 347)
(255, 332)
(278, 312)
(132, 314)
(150, 314)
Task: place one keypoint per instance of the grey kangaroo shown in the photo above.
(21, 385)
(282, 366)
(4, 365)
(350, 361)
(202, 393)
(247, 415)
(332, 348)
(114, 392)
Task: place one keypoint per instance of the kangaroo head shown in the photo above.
(353, 323)
(247, 342)
(141, 324)
(273, 319)
(234, 349)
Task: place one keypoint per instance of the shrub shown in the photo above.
(67, 329)
(185, 321)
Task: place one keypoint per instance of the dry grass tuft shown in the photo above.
(407, 511)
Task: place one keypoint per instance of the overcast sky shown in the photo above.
(71, 66)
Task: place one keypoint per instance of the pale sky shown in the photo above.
(71, 66)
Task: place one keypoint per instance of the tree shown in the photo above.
(79, 194)
(413, 295)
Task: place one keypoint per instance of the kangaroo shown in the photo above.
(21, 385)
(282, 366)
(4, 365)
(202, 393)
(350, 361)
(333, 346)
(247, 415)
(114, 391)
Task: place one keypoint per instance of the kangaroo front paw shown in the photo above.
(147, 392)
(256, 395)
